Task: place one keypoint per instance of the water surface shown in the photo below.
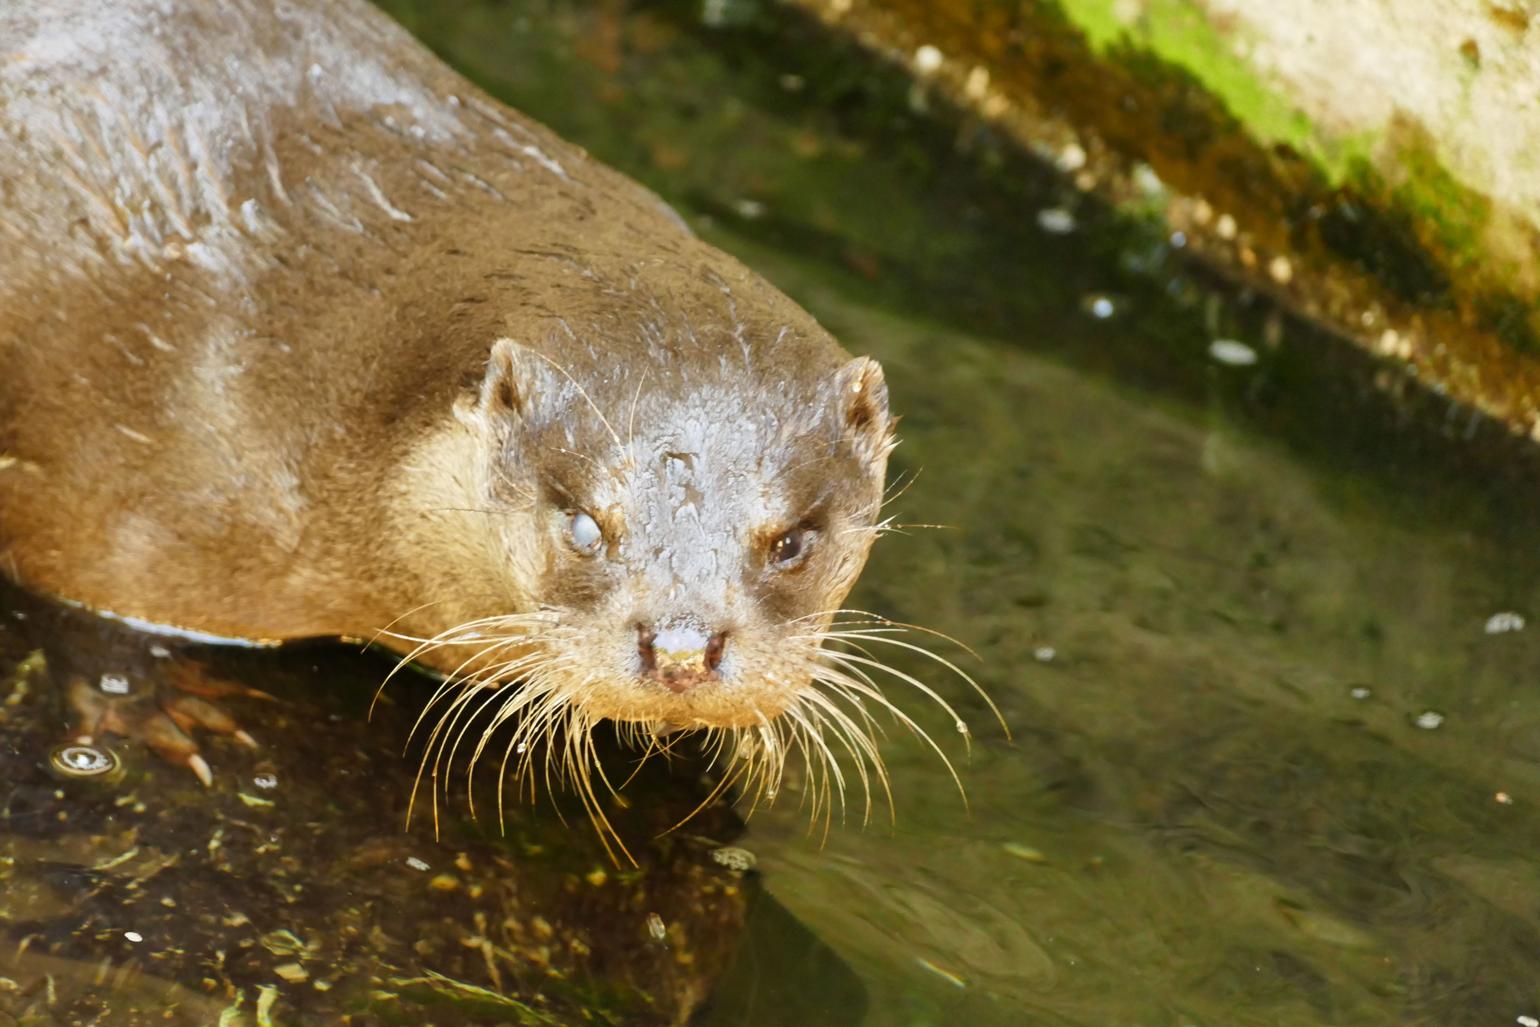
(1271, 759)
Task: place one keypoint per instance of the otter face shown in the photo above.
(678, 543)
(687, 543)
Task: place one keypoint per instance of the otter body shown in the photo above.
(302, 335)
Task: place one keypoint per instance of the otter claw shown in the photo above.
(165, 714)
(200, 768)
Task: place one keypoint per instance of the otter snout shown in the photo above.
(679, 657)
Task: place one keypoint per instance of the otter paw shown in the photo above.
(163, 710)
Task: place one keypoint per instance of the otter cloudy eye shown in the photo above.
(585, 534)
(788, 547)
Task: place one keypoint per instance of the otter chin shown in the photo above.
(312, 338)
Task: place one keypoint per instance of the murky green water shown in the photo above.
(1217, 603)
(1272, 761)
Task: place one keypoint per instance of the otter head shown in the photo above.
(679, 538)
(685, 533)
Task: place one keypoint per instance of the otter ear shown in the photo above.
(861, 394)
(518, 384)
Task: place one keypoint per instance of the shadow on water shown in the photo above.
(1255, 614)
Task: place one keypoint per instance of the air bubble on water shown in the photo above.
(133, 936)
(1071, 158)
(1044, 653)
(962, 728)
(927, 60)
(1099, 305)
(1360, 692)
(1504, 622)
(1429, 720)
(1056, 220)
(80, 760)
(113, 684)
(267, 781)
(416, 864)
(1527, 1021)
(1232, 352)
(1147, 181)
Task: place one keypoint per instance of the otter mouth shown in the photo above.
(818, 708)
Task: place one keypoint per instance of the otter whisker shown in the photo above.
(528, 691)
(581, 754)
(543, 702)
(821, 770)
(650, 749)
(466, 628)
(834, 678)
(424, 645)
(522, 491)
(457, 681)
(468, 688)
(631, 420)
(863, 750)
(901, 486)
(434, 748)
(439, 602)
(767, 756)
(846, 658)
(493, 695)
(465, 509)
(459, 635)
(885, 639)
(716, 791)
(467, 634)
(452, 685)
(871, 618)
(532, 671)
(586, 398)
(892, 527)
(541, 707)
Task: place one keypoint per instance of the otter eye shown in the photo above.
(788, 547)
(585, 534)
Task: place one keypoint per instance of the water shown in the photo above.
(1268, 760)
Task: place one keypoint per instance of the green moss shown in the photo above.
(1455, 215)
(1177, 32)
(1447, 215)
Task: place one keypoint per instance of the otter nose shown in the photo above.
(680, 656)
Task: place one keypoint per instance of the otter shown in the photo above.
(303, 335)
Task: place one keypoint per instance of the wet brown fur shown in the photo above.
(269, 450)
